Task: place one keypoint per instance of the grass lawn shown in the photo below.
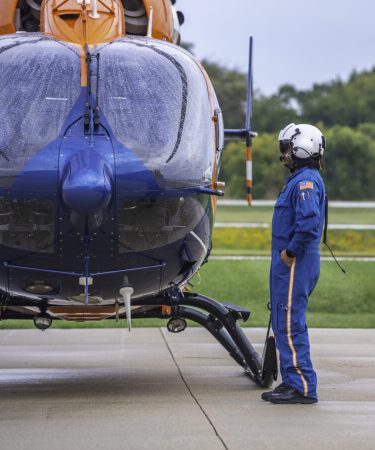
(346, 301)
(338, 301)
(263, 214)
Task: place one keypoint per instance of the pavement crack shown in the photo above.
(191, 392)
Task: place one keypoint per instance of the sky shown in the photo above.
(300, 42)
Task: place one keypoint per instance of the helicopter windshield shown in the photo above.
(37, 99)
(158, 104)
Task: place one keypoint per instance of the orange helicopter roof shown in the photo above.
(69, 20)
(8, 13)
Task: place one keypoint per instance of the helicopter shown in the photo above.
(111, 138)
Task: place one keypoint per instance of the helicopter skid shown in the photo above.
(220, 319)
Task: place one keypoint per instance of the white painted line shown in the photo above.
(268, 258)
(333, 204)
(241, 225)
(350, 226)
(338, 204)
(241, 258)
(57, 99)
(244, 202)
(332, 226)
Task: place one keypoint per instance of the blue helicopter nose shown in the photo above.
(87, 191)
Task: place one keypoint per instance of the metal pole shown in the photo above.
(249, 150)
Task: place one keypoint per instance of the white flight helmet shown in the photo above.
(306, 140)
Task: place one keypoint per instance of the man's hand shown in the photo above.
(286, 259)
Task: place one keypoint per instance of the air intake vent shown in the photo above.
(135, 17)
(70, 18)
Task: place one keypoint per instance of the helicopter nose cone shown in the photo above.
(86, 191)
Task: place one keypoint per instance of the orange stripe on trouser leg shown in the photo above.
(289, 329)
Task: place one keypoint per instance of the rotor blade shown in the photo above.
(249, 109)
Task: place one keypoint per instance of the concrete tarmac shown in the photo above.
(108, 389)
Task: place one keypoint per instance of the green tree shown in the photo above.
(344, 111)
(337, 102)
(231, 89)
(350, 164)
(272, 113)
(268, 174)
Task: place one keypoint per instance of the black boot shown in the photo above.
(280, 388)
(290, 396)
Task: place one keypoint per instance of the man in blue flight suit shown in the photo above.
(296, 231)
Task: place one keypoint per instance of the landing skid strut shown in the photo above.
(221, 320)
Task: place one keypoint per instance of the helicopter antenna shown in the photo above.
(94, 10)
(150, 22)
(247, 134)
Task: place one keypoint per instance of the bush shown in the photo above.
(258, 241)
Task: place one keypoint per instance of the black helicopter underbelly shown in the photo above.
(148, 271)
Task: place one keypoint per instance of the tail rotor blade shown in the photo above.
(249, 108)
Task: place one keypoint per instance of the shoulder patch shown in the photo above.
(306, 185)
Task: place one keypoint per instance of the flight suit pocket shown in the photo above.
(281, 220)
(290, 320)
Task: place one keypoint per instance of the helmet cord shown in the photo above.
(326, 233)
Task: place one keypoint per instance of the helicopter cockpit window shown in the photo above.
(37, 98)
(27, 224)
(157, 102)
(135, 17)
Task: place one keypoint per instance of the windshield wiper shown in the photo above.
(3, 153)
(92, 116)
